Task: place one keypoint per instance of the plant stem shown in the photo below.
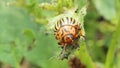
(114, 41)
(84, 56)
(110, 54)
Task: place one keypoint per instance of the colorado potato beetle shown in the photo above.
(68, 31)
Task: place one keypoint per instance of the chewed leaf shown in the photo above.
(81, 13)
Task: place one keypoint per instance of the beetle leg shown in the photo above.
(62, 54)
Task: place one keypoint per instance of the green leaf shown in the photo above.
(46, 52)
(106, 8)
(80, 3)
(13, 42)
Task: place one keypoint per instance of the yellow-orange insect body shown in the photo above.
(68, 31)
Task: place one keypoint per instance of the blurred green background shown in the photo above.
(26, 42)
